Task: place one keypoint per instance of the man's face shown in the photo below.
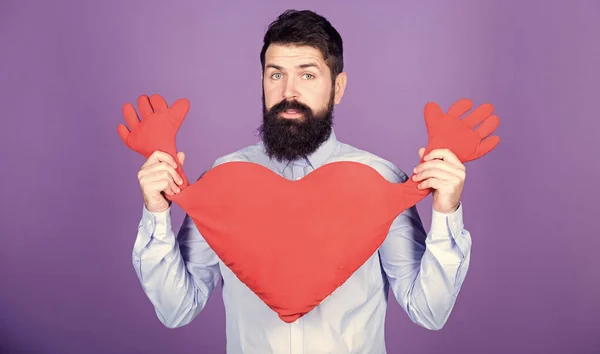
(298, 100)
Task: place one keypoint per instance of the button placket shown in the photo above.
(297, 337)
(297, 171)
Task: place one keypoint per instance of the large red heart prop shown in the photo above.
(336, 217)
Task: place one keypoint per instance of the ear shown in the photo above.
(340, 87)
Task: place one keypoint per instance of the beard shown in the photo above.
(289, 139)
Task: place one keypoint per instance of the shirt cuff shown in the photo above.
(153, 225)
(157, 224)
(450, 226)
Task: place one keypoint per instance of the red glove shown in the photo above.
(449, 131)
(158, 127)
(330, 228)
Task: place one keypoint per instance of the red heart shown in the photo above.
(335, 218)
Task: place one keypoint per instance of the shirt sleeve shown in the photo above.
(177, 273)
(426, 270)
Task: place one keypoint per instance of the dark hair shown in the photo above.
(305, 27)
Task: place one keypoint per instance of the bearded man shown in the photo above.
(303, 79)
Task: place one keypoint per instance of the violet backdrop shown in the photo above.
(72, 201)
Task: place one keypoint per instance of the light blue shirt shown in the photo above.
(424, 271)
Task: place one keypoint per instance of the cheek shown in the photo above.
(317, 96)
(272, 95)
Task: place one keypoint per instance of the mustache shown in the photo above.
(286, 104)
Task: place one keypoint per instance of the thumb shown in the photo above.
(421, 151)
(180, 109)
(181, 157)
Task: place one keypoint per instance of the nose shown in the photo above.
(290, 91)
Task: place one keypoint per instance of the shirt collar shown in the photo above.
(317, 158)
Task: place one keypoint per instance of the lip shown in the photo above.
(290, 115)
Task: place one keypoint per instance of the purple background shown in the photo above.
(71, 201)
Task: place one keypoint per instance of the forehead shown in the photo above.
(291, 55)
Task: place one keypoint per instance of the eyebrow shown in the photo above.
(301, 66)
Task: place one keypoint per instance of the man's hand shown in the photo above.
(158, 175)
(445, 174)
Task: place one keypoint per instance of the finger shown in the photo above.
(160, 176)
(131, 117)
(180, 109)
(487, 127)
(443, 154)
(460, 107)
(486, 146)
(163, 169)
(164, 187)
(158, 103)
(123, 133)
(172, 172)
(433, 115)
(144, 106)
(159, 156)
(172, 187)
(160, 186)
(478, 115)
(443, 165)
(436, 173)
(433, 183)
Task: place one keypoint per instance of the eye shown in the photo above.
(308, 76)
(276, 76)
